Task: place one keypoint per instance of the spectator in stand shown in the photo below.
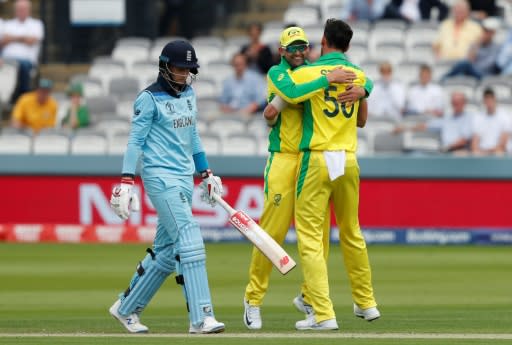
(483, 55)
(21, 40)
(504, 58)
(481, 9)
(414, 10)
(425, 98)
(457, 33)
(455, 130)
(370, 10)
(243, 92)
(259, 56)
(37, 109)
(77, 115)
(388, 95)
(490, 128)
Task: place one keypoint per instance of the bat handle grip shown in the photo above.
(224, 204)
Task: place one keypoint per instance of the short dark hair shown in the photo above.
(489, 92)
(338, 34)
(425, 67)
(255, 24)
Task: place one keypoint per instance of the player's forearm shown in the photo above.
(130, 159)
(297, 93)
(459, 144)
(362, 114)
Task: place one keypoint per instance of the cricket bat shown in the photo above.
(259, 237)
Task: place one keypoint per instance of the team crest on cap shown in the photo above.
(293, 33)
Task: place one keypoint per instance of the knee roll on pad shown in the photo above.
(165, 260)
(191, 245)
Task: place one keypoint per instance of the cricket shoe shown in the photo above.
(252, 316)
(130, 322)
(302, 306)
(310, 324)
(209, 325)
(368, 314)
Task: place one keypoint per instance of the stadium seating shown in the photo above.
(117, 143)
(52, 142)
(130, 54)
(386, 142)
(124, 87)
(100, 106)
(239, 145)
(466, 85)
(211, 143)
(228, 125)
(424, 142)
(9, 73)
(89, 142)
(301, 15)
(15, 143)
(113, 81)
(106, 68)
(206, 87)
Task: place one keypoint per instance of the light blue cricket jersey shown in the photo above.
(164, 131)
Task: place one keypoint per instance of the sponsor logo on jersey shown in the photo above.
(280, 77)
(189, 104)
(137, 112)
(181, 122)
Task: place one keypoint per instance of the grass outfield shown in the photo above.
(59, 294)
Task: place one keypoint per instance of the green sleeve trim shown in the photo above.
(291, 92)
(368, 87)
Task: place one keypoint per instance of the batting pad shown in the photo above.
(192, 266)
(144, 286)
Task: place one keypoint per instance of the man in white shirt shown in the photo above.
(388, 95)
(490, 128)
(425, 98)
(455, 128)
(21, 41)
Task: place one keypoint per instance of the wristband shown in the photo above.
(206, 173)
(278, 103)
(127, 180)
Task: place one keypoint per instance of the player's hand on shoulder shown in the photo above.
(210, 186)
(351, 94)
(341, 75)
(123, 199)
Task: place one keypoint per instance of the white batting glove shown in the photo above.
(210, 186)
(123, 200)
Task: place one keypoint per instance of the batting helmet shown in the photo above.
(180, 54)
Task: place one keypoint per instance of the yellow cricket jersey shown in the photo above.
(33, 114)
(285, 135)
(327, 124)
